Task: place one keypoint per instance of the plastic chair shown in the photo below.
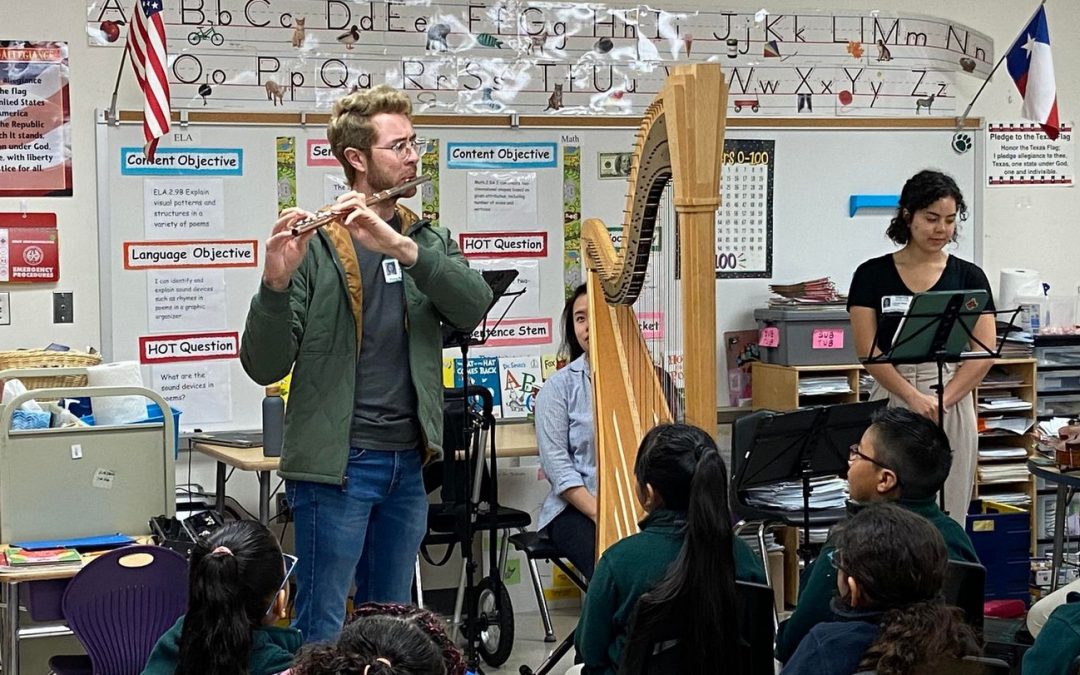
(964, 587)
(119, 605)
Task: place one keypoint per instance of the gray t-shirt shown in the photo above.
(385, 413)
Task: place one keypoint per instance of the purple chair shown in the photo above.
(119, 607)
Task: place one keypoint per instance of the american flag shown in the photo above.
(149, 58)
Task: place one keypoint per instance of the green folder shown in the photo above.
(914, 337)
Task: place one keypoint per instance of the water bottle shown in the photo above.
(273, 421)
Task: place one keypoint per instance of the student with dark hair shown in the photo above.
(890, 618)
(565, 439)
(902, 458)
(880, 293)
(676, 577)
(384, 639)
(237, 589)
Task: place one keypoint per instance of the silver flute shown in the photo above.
(326, 215)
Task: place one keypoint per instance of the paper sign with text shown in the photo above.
(511, 333)
(145, 255)
(320, 154)
(651, 325)
(203, 391)
(827, 338)
(770, 337)
(194, 347)
(29, 248)
(504, 244)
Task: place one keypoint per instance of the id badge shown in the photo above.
(391, 270)
(895, 304)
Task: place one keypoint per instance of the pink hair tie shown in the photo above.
(223, 550)
(380, 659)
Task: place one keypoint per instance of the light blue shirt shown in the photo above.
(565, 436)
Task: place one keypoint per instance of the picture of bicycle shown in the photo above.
(210, 33)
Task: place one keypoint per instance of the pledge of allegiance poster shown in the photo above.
(35, 119)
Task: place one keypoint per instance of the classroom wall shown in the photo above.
(1022, 227)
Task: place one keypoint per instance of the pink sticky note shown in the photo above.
(827, 338)
(769, 337)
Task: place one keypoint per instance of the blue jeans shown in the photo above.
(367, 532)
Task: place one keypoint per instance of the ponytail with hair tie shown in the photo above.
(380, 660)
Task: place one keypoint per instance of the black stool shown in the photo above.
(536, 546)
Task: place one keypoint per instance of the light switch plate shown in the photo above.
(5, 309)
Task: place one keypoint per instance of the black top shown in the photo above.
(877, 285)
(385, 413)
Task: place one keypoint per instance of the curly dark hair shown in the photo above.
(920, 191)
(385, 639)
(899, 561)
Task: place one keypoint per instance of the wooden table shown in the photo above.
(511, 440)
(1066, 485)
(245, 459)
(11, 582)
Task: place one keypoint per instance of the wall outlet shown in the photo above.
(5, 309)
(63, 307)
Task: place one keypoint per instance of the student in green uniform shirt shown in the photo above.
(237, 590)
(1058, 643)
(903, 458)
(683, 563)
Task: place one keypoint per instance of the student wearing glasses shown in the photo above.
(903, 458)
(238, 587)
(354, 309)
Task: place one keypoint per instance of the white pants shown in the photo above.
(960, 426)
(1041, 610)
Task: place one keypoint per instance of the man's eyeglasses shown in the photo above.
(854, 452)
(289, 561)
(401, 148)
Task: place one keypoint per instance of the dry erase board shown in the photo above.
(181, 245)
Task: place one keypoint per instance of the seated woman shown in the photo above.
(683, 563)
(565, 439)
(890, 566)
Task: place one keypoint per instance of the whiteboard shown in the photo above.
(816, 169)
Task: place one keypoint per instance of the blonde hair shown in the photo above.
(350, 121)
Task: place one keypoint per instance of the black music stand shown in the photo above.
(801, 445)
(939, 336)
(499, 281)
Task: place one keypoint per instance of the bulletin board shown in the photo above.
(181, 245)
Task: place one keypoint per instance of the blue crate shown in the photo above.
(1001, 535)
(153, 414)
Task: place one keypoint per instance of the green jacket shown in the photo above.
(819, 580)
(314, 328)
(1058, 643)
(627, 570)
(272, 650)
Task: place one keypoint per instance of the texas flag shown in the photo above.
(1032, 69)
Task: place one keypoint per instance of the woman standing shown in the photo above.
(881, 291)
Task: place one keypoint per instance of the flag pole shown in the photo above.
(963, 118)
(119, 73)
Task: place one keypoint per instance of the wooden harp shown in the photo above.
(681, 139)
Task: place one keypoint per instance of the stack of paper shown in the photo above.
(998, 473)
(15, 557)
(1001, 401)
(1004, 426)
(818, 386)
(814, 292)
(1001, 452)
(825, 493)
(1018, 499)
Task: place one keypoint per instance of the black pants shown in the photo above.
(574, 534)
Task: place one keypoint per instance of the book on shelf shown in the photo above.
(15, 557)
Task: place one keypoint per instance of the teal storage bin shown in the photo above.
(153, 414)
